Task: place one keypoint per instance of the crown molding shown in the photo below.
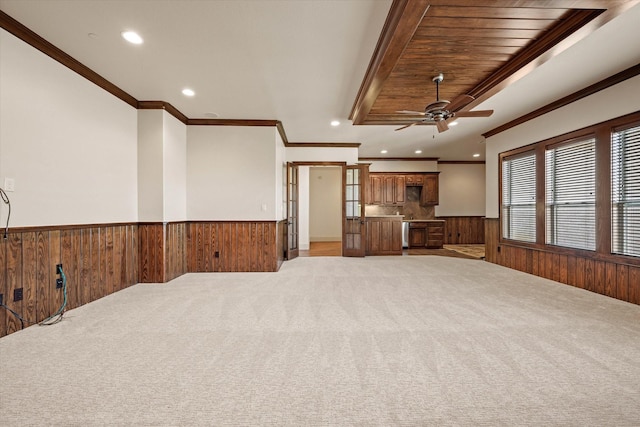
(576, 96)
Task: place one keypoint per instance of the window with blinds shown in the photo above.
(570, 195)
(625, 191)
(519, 197)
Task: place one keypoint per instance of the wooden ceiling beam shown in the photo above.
(402, 21)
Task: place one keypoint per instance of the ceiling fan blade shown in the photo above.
(459, 102)
(407, 126)
(479, 113)
(417, 113)
(442, 126)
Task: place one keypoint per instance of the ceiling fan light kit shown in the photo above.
(439, 112)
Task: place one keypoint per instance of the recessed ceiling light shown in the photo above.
(453, 123)
(92, 35)
(132, 37)
(476, 155)
(188, 92)
(418, 151)
(383, 151)
(335, 123)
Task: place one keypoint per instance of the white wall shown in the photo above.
(230, 173)
(461, 190)
(616, 101)
(281, 177)
(150, 159)
(322, 154)
(70, 146)
(303, 208)
(325, 204)
(174, 164)
(403, 166)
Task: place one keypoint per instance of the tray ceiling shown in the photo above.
(477, 45)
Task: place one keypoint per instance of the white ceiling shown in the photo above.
(297, 61)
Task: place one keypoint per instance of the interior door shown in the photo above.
(353, 239)
(292, 211)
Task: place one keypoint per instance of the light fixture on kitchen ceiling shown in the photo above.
(335, 123)
(188, 92)
(418, 151)
(132, 37)
(383, 151)
(476, 155)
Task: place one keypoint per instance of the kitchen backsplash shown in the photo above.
(411, 210)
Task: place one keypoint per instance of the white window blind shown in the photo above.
(519, 197)
(625, 182)
(570, 195)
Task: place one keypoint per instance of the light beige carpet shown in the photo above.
(381, 341)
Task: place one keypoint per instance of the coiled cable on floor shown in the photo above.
(55, 317)
(22, 321)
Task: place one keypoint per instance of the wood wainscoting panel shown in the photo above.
(606, 277)
(463, 230)
(234, 246)
(162, 251)
(97, 260)
(3, 286)
(175, 250)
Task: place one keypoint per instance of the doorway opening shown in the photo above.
(321, 219)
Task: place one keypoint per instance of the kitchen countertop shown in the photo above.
(385, 216)
(424, 220)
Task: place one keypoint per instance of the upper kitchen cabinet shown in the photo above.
(414, 180)
(429, 194)
(390, 189)
(386, 189)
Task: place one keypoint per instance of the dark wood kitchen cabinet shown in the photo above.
(390, 189)
(386, 189)
(384, 235)
(429, 194)
(414, 180)
(375, 190)
(426, 234)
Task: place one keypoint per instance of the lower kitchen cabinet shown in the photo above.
(384, 235)
(426, 234)
(417, 237)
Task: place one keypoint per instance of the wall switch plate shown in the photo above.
(58, 268)
(59, 283)
(17, 294)
(9, 184)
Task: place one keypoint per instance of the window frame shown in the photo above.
(552, 147)
(613, 210)
(603, 134)
(525, 152)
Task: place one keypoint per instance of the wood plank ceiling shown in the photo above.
(479, 46)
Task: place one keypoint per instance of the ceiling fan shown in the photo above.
(441, 111)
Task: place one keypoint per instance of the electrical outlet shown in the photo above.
(1, 299)
(59, 269)
(59, 283)
(17, 294)
(216, 254)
